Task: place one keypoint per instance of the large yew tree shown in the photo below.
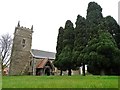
(65, 58)
(59, 49)
(80, 41)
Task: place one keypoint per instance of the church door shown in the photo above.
(47, 71)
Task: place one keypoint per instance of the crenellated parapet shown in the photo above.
(24, 28)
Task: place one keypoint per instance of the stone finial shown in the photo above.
(18, 24)
(32, 27)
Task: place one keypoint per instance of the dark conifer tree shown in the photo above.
(101, 47)
(93, 18)
(65, 57)
(113, 28)
(59, 48)
(101, 54)
(80, 41)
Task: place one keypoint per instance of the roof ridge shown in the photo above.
(43, 50)
(42, 54)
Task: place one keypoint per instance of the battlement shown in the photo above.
(23, 28)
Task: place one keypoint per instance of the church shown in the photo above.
(27, 61)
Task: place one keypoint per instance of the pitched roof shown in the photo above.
(42, 54)
(42, 63)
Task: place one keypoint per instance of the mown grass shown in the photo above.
(60, 82)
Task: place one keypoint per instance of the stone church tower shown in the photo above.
(21, 57)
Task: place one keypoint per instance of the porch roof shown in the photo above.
(43, 62)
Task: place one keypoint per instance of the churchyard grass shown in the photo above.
(59, 82)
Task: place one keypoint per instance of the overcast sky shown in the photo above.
(47, 16)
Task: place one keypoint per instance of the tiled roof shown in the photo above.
(42, 54)
(42, 63)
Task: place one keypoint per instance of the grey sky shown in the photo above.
(47, 16)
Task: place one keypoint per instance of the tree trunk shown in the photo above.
(69, 72)
(83, 69)
(118, 71)
(102, 72)
(60, 72)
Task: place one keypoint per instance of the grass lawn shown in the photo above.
(60, 82)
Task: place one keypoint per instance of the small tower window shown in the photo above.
(23, 42)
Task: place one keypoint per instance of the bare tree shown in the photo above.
(5, 49)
